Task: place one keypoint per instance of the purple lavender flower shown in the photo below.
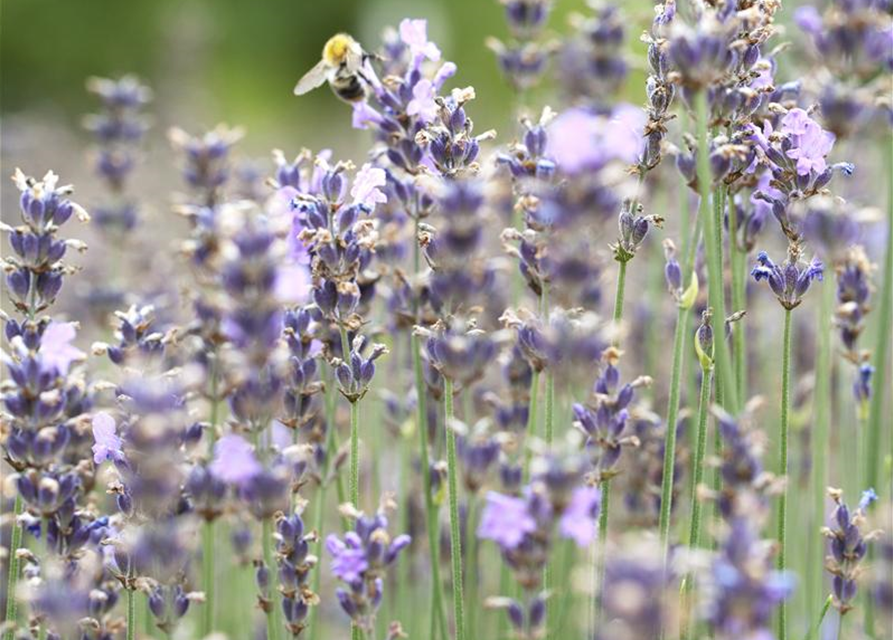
(848, 545)
(414, 33)
(580, 140)
(56, 351)
(505, 520)
(107, 443)
(790, 280)
(348, 557)
(578, 521)
(810, 144)
(360, 559)
(234, 460)
(366, 189)
(742, 590)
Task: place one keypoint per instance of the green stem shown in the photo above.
(822, 402)
(267, 542)
(666, 494)
(602, 548)
(455, 539)
(739, 301)
(531, 426)
(131, 614)
(430, 508)
(839, 626)
(783, 462)
(208, 569)
(13, 578)
(818, 626)
(875, 450)
(208, 577)
(319, 512)
(473, 577)
(618, 297)
(354, 480)
(694, 529)
(713, 246)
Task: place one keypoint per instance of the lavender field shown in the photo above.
(618, 368)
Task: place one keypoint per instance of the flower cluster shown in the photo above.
(118, 130)
(848, 544)
(790, 280)
(359, 559)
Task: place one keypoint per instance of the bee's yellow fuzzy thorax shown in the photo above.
(336, 48)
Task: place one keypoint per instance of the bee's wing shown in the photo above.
(312, 79)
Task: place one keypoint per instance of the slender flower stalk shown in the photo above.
(783, 462)
(438, 618)
(713, 246)
(820, 437)
(684, 301)
(704, 346)
(738, 268)
(12, 581)
(881, 354)
(455, 535)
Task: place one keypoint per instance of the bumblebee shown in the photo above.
(342, 66)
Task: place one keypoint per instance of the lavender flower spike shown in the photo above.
(790, 280)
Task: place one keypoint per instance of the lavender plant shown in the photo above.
(213, 467)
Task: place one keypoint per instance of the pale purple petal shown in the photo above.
(107, 445)
(365, 190)
(364, 115)
(234, 460)
(56, 350)
(578, 522)
(293, 283)
(505, 520)
(422, 103)
(414, 34)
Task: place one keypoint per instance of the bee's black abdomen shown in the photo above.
(350, 89)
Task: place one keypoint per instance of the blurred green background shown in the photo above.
(236, 61)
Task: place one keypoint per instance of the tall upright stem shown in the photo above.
(13, 578)
(209, 574)
(131, 614)
(619, 293)
(875, 450)
(455, 538)
(712, 236)
(666, 493)
(531, 425)
(438, 618)
(822, 403)
(694, 529)
(739, 301)
(267, 543)
(354, 481)
(783, 462)
(208, 578)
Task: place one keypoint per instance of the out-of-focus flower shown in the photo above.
(234, 460)
(414, 34)
(56, 351)
(505, 520)
(580, 140)
(578, 522)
